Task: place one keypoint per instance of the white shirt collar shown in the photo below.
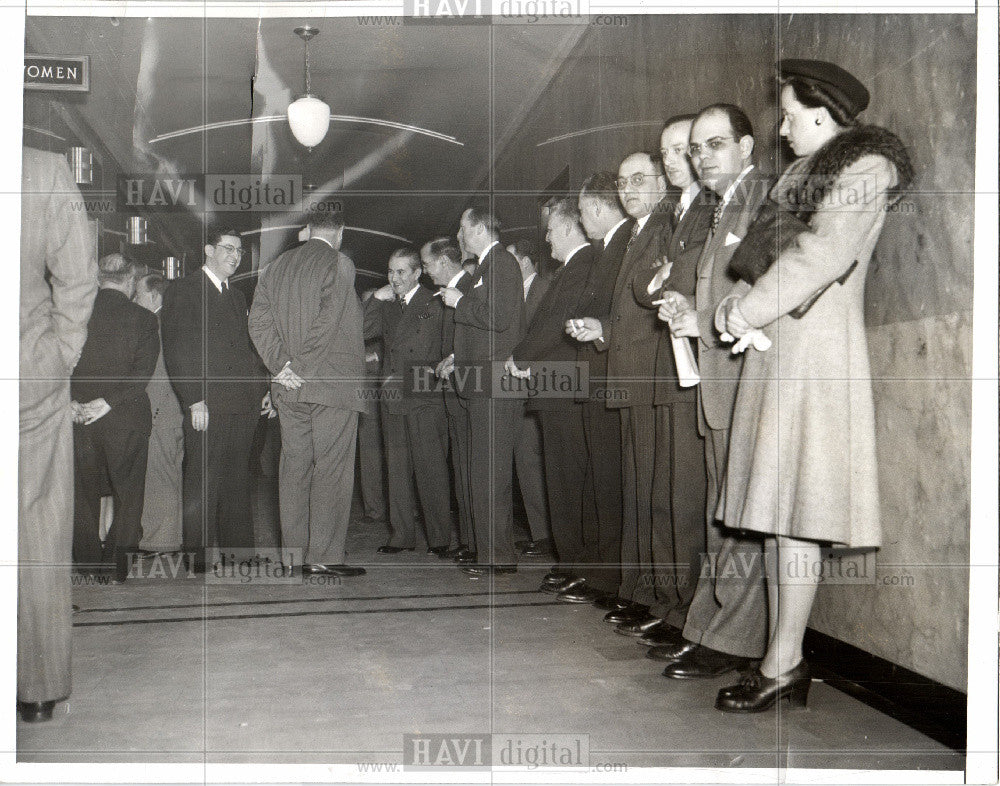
(732, 187)
(571, 253)
(456, 278)
(641, 222)
(527, 283)
(212, 277)
(409, 295)
(323, 240)
(487, 250)
(611, 232)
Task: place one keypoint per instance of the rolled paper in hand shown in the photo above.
(687, 366)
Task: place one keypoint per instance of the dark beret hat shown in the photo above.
(839, 83)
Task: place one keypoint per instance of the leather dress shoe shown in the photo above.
(671, 652)
(466, 557)
(392, 549)
(555, 577)
(537, 548)
(629, 614)
(664, 633)
(704, 663)
(477, 571)
(581, 593)
(454, 551)
(638, 626)
(35, 711)
(333, 570)
(612, 603)
(521, 544)
(570, 583)
(438, 551)
(757, 693)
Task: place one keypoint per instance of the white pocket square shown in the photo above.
(732, 240)
(479, 283)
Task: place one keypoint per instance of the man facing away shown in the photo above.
(306, 324)
(112, 419)
(58, 284)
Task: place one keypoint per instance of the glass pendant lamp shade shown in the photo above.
(309, 119)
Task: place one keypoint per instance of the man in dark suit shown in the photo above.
(679, 467)
(628, 332)
(528, 448)
(112, 417)
(609, 229)
(407, 317)
(220, 383)
(546, 349)
(58, 284)
(307, 326)
(442, 261)
(162, 507)
(489, 322)
(371, 459)
(727, 620)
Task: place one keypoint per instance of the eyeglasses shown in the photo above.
(714, 144)
(636, 179)
(231, 249)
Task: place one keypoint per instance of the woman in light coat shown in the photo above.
(801, 465)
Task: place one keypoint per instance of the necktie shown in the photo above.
(678, 212)
(635, 231)
(717, 215)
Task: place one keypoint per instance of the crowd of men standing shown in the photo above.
(631, 461)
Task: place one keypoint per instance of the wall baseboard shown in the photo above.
(921, 703)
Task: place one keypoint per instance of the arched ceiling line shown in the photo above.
(333, 118)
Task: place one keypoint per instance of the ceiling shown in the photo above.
(157, 76)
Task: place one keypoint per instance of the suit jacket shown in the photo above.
(463, 285)
(306, 312)
(207, 349)
(631, 332)
(58, 283)
(536, 291)
(546, 338)
(686, 244)
(719, 368)
(489, 321)
(118, 359)
(166, 409)
(596, 299)
(411, 334)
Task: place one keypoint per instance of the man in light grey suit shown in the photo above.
(727, 621)
(58, 285)
(162, 506)
(306, 324)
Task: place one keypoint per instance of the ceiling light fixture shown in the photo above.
(308, 116)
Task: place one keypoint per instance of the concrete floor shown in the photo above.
(172, 670)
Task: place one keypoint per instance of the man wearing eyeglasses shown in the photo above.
(727, 617)
(679, 467)
(221, 386)
(629, 333)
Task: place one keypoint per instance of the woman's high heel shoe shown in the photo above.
(757, 693)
